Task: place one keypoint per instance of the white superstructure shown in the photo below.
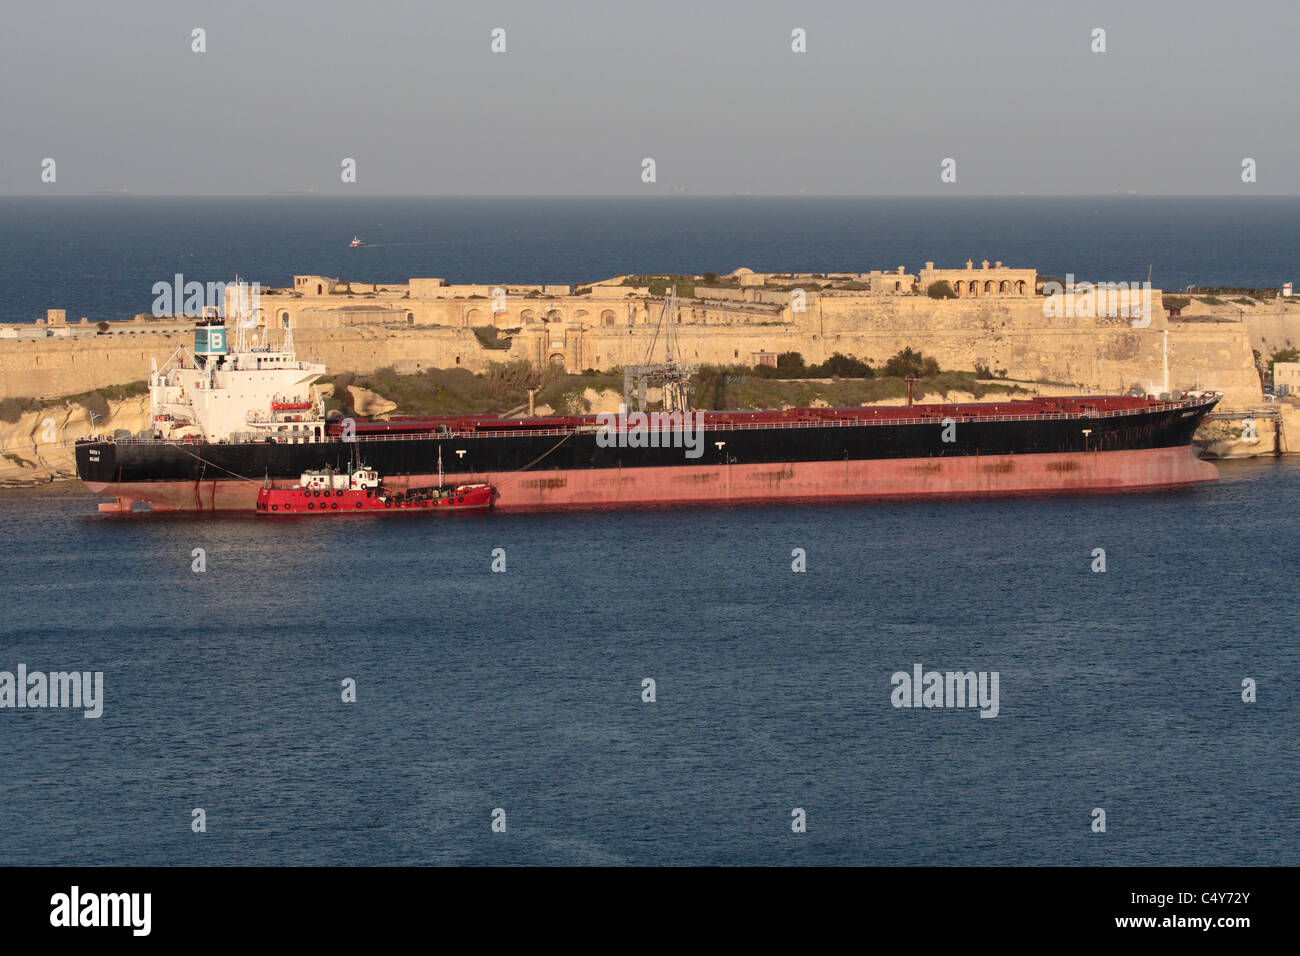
(359, 479)
(251, 392)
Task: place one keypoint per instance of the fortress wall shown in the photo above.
(1220, 355)
(596, 309)
(364, 350)
(1016, 335)
(1000, 333)
(779, 297)
(48, 368)
(601, 349)
(1273, 329)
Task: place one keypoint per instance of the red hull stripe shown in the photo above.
(703, 484)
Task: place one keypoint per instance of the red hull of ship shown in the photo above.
(714, 484)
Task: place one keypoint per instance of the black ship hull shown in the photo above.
(569, 465)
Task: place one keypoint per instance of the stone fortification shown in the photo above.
(999, 321)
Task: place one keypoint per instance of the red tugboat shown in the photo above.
(361, 490)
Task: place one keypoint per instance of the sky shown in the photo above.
(713, 92)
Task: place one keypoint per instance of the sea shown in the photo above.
(665, 686)
(100, 257)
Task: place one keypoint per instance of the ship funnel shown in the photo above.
(210, 339)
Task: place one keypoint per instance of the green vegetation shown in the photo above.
(457, 391)
(908, 362)
(660, 284)
(732, 387)
(12, 409)
(719, 282)
(852, 382)
(1212, 300)
(97, 400)
(490, 337)
(1177, 302)
(790, 365)
(842, 380)
(117, 393)
(1263, 295)
(1286, 355)
(340, 400)
(940, 290)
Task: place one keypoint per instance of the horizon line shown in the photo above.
(290, 194)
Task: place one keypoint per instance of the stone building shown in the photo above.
(984, 282)
(898, 282)
(1286, 378)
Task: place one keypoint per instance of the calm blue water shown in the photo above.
(99, 257)
(522, 690)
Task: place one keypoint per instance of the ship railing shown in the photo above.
(715, 427)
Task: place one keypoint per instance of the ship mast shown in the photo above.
(1164, 351)
(671, 374)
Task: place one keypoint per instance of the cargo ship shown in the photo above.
(230, 421)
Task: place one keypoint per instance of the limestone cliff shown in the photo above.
(39, 446)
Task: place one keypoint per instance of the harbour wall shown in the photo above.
(1012, 336)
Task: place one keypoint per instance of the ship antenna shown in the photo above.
(672, 374)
